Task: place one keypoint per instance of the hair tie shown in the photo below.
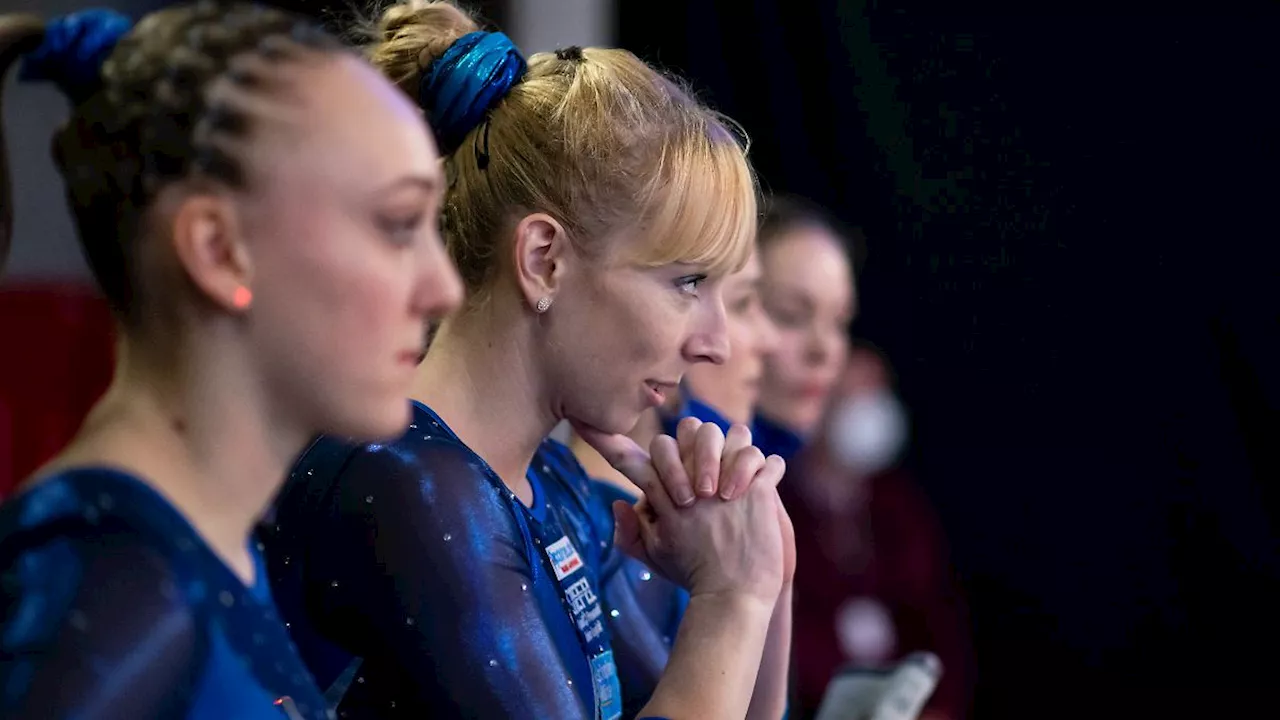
(73, 50)
(573, 53)
(477, 71)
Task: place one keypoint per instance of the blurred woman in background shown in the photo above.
(873, 581)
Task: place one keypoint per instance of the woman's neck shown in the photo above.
(479, 377)
(203, 437)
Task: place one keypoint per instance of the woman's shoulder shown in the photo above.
(68, 569)
(425, 454)
(77, 522)
(424, 479)
(87, 578)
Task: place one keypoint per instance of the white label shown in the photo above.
(564, 558)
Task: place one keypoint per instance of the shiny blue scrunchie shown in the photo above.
(476, 71)
(73, 50)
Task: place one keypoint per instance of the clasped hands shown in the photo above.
(710, 518)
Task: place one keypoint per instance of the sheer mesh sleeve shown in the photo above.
(426, 574)
(94, 628)
(645, 609)
(662, 601)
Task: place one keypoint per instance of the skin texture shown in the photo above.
(733, 384)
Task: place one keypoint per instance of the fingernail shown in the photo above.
(705, 485)
(726, 493)
(686, 498)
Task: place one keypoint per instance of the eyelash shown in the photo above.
(397, 229)
(691, 280)
(789, 318)
(743, 305)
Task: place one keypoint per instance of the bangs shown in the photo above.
(704, 199)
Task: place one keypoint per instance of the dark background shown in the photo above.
(1073, 265)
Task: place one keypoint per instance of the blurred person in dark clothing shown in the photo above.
(873, 580)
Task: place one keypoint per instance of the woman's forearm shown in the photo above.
(769, 700)
(715, 660)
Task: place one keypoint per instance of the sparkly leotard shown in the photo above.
(111, 606)
(414, 560)
(413, 564)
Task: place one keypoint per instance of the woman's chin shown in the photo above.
(615, 423)
(382, 424)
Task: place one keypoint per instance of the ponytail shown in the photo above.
(19, 34)
(69, 52)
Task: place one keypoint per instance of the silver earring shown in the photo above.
(544, 304)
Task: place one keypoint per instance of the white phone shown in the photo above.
(897, 692)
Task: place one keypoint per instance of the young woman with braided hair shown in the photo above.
(594, 209)
(244, 189)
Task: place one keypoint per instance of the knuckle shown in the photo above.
(688, 424)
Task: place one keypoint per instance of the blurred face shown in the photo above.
(733, 387)
(621, 337)
(808, 291)
(348, 265)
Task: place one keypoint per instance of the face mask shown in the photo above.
(868, 431)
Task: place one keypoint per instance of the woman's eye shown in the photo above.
(689, 283)
(402, 231)
(742, 305)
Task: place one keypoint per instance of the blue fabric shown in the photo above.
(416, 558)
(112, 606)
(464, 84)
(692, 407)
(644, 609)
(775, 439)
(73, 50)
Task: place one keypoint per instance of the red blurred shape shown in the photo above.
(56, 359)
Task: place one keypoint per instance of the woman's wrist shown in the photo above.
(746, 605)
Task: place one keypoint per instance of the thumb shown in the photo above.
(626, 530)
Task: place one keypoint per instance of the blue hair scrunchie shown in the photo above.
(73, 50)
(476, 71)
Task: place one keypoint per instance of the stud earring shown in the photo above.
(544, 304)
(242, 298)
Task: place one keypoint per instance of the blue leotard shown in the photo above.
(414, 560)
(111, 606)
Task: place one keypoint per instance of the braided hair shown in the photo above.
(166, 102)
